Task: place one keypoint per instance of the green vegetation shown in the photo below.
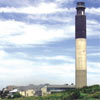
(16, 95)
(86, 93)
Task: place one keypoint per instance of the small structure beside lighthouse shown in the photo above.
(80, 36)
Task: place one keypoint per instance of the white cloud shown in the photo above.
(95, 11)
(92, 27)
(94, 54)
(19, 33)
(42, 8)
(64, 1)
(92, 22)
(3, 54)
(55, 18)
(23, 71)
(94, 48)
(64, 58)
(94, 65)
(93, 74)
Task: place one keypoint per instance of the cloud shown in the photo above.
(92, 22)
(93, 74)
(95, 11)
(19, 33)
(42, 8)
(62, 58)
(2, 54)
(94, 54)
(20, 71)
(13, 3)
(94, 48)
(94, 66)
(92, 27)
(52, 19)
(64, 1)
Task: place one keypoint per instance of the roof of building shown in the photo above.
(24, 88)
(38, 87)
(29, 87)
(13, 91)
(61, 86)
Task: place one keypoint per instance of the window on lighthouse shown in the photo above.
(82, 13)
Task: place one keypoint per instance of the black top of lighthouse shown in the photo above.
(80, 5)
(80, 21)
(80, 8)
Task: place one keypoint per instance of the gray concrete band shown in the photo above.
(81, 78)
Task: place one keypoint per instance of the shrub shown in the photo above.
(16, 95)
(76, 95)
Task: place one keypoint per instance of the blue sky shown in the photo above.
(37, 41)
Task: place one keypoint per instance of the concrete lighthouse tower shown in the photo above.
(80, 36)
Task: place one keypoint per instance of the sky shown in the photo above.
(37, 42)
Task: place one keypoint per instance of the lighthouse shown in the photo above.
(80, 37)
